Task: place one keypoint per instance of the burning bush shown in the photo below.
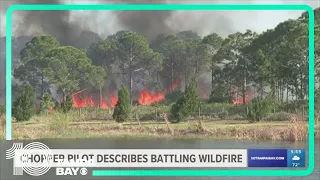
(122, 110)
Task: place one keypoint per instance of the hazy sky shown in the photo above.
(203, 22)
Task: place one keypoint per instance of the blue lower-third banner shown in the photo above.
(276, 158)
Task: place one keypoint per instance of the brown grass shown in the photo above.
(3, 126)
(62, 126)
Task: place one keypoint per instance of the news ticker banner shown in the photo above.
(37, 159)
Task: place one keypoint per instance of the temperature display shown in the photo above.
(296, 158)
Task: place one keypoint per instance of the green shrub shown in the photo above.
(149, 112)
(2, 109)
(173, 96)
(217, 99)
(67, 104)
(24, 107)
(258, 109)
(122, 110)
(220, 94)
(59, 122)
(211, 109)
(293, 106)
(223, 114)
(46, 103)
(187, 104)
(279, 116)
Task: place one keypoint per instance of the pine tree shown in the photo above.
(24, 107)
(258, 109)
(188, 103)
(46, 103)
(122, 110)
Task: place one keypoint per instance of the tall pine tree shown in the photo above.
(122, 110)
(67, 104)
(188, 103)
(46, 103)
(24, 107)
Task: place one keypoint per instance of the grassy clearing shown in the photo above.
(68, 126)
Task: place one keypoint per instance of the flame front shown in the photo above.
(204, 96)
(239, 99)
(83, 102)
(147, 98)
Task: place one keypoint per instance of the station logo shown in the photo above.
(34, 159)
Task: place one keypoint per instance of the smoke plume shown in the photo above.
(148, 23)
(56, 23)
(67, 25)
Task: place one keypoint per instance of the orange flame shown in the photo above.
(89, 102)
(79, 102)
(147, 98)
(239, 99)
(204, 96)
(114, 99)
(104, 104)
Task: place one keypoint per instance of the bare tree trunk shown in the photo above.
(244, 89)
(212, 76)
(172, 74)
(130, 75)
(301, 86)
(287, 92)
(42, 86)
(100, 100)
(165, 117)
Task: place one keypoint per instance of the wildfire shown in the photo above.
(204, 96)
(239, 99)
(104, 105)
(174, 85)
(83, 102)
(114, 100)
(147, 98)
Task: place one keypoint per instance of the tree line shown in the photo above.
(274, 63)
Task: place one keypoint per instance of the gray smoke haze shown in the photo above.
(67, 25)
(56, 23)
(59, 23)
(149, 23)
